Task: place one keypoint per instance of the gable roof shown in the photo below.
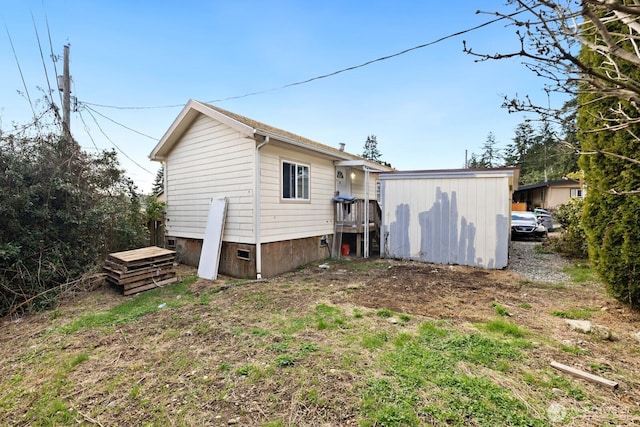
(247, 127)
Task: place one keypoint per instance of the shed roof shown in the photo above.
(452, 173)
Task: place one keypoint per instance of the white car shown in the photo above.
(526, 225)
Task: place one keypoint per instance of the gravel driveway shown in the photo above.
(525, 260)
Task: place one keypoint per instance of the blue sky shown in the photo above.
(426, 107)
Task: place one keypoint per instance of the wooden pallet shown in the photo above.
(141, 269)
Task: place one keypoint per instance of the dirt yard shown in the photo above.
(464, 296)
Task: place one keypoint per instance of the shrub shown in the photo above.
(573, 240)
(62, 210)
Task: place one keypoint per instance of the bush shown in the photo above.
(573, 240)
(62, 211)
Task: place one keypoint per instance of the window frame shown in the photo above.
(293, 181)
(576, 193)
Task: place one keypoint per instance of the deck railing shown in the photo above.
(350, 216)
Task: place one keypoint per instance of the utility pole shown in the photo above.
(66, 95)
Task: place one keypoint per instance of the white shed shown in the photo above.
(448, 216)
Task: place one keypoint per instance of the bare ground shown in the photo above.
(174, 357)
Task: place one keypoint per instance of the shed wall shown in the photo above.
(447, 220)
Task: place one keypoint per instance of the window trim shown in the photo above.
(576, 193)
(295, 165)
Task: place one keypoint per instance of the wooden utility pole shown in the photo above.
(66, 95)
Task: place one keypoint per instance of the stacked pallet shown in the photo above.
(141, 269)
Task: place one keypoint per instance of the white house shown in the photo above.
(279, 188)
(457, 216)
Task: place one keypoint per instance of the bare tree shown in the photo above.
(554, 35)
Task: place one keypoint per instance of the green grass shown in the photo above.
(329, 317)
(424, 385)
(541, 249)
(573, 349)
(135, 307)
(500, 309)
(384, 313)
(581, 273)
(283, 357)
(504, 327)
(374, 340)
(575, 313)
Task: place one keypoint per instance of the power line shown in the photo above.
(116, 145)
(119, 124)
(24, 83)
(323, 76)
(88, 131)
(46, 73)
(53, 56)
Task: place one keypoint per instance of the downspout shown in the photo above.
(256, 209)
(366, 212)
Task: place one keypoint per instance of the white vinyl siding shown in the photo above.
(295, 181)
(457, 220)
(358, 187)
(285, 219)
(210, 160)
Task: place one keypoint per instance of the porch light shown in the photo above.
(353, 175)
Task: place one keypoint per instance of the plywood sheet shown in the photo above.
(211, 245)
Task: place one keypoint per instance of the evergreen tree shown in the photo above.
(158, 183)
(612, 204)
(371, 151)
(490, 156)
(540, 154)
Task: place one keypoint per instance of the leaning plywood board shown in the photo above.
(212, 243)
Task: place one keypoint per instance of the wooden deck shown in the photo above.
(349, 219)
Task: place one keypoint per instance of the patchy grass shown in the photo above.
(583, 313)
(304, 351)
(581, 273)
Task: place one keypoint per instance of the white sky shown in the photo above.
(426, 107)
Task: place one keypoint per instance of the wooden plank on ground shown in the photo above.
(115, 270)
(584, 375)
(123, 280)
(142, 256)
(151, 280)
(150, 286)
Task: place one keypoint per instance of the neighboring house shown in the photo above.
(279, 188)
(548, 195)
(459, 216)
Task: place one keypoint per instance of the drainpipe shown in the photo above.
(256, 210)
(366, 212)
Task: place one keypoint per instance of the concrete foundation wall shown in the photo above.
(239, 259)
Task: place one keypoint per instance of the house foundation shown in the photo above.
(239, 259)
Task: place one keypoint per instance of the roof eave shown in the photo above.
(318, 149)
(186, 117)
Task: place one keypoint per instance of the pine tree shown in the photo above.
(158, 183)
(371, 151)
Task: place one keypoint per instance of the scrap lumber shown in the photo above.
(584, 375)
(141, 269)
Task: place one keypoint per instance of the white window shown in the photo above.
(577, 192)
(295, 181)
